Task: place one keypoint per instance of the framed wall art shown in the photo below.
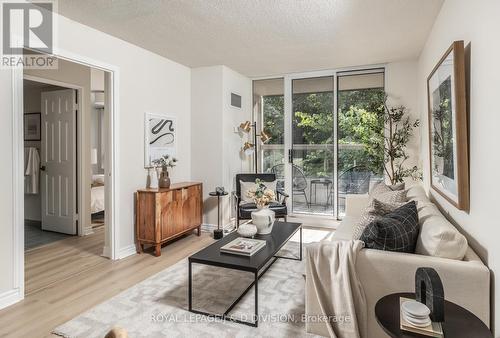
(448, 135)
(32, 127)
(160, 137)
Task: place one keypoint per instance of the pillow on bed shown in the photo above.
(98, 179)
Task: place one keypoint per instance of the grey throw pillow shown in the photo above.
(381, 188)
(375, 209)
(396, 231)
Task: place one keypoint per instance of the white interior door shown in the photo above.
(58, 153)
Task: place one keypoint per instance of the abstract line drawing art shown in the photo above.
(160, 137)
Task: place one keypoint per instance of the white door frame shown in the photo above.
(79, 126)
(112, 159)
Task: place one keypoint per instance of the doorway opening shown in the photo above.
(66, 130)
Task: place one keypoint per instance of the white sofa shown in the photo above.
(466, 280)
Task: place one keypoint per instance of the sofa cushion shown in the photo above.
(388, 194)
(438, 237)
(396, 231)
(345, 229)
(375, 209)
(381, 187)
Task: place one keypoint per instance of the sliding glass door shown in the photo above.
(312, 155)
(326, 136)
(360, 131)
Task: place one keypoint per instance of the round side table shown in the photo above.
(459, 322)
(218, 233)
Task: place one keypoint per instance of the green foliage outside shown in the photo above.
(360, 129)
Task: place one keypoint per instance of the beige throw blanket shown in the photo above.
(332, 279)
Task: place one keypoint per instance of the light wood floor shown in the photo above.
(68, 277)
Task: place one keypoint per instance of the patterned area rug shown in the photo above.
(157, 307)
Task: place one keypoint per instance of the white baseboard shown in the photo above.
(127, 251)
(10, 297)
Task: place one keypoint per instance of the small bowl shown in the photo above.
(247, 230)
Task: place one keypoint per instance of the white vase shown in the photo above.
(154, 179)
(263, 219)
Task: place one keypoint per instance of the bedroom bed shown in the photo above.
(97, 194)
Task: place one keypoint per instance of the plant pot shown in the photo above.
(164, 180)
(263, 219)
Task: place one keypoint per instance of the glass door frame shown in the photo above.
(289, 138)
(288, 135)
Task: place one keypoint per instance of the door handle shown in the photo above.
(290, 156)
(42, 168)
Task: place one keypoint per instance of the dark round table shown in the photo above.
(459, 322)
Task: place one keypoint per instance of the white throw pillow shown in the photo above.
(438, 237)
(247, 186)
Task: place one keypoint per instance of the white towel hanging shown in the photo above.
(32, 171)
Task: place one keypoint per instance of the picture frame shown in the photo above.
(447, 128)
(160, 137)
(32, 126)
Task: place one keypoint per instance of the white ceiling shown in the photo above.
(265, 37)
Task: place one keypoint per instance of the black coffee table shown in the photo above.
(458, 322)
(257, 264)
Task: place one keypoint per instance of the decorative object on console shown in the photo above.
(219, 192)
(429, 291)
(164, 162)
(249, 148)
(160, 137)
(165, 214)
(247, 230)
(448, 135)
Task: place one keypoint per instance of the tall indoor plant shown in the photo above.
(398, 129)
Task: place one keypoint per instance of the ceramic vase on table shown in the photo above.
(164, 180)
(263, 219)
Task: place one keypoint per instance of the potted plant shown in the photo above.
(263, 218)
(398, 131)
(164, 162)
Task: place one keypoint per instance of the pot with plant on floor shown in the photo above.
(162, 164)
(263, 218)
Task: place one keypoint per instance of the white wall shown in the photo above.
(401, 86)
(147, 82)
(216, 155)
(478, 24)
(207, 137)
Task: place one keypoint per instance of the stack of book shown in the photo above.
(243, 246)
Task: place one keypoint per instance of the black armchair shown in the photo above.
(244, 211)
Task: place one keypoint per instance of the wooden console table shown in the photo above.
(166, 213)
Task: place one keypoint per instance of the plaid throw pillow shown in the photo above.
(396, 231)
(375, 209)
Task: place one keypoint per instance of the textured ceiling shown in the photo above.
(265, 37)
